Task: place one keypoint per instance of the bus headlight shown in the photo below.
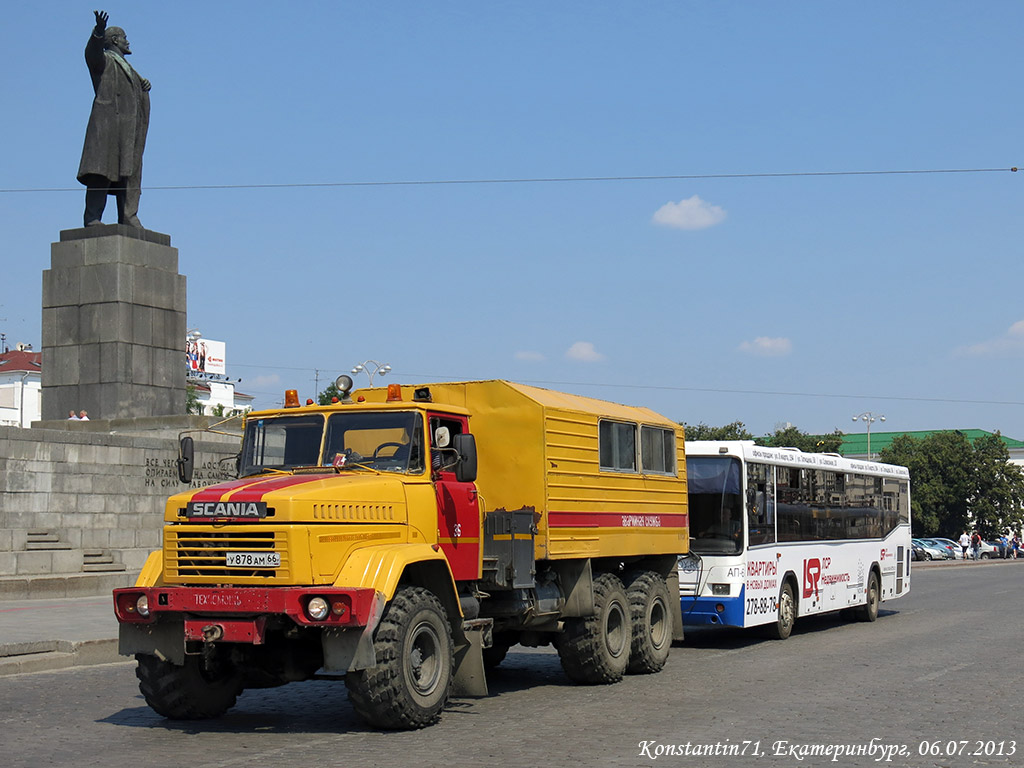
(720, 589)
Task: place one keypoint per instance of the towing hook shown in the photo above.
(212, 633)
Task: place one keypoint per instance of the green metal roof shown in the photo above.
(857, 444)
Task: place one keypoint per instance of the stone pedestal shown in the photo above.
(113, 325)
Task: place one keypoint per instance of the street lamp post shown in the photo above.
(372, 368)
(868, 417)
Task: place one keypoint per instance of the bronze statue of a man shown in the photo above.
(116, 134)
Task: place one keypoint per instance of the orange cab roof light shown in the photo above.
(394, 392)
(291, 398)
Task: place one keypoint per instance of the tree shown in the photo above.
(327, 396)
(192, 406)
(956, 486)
(999, 488)
(791, 437)
(737, 430)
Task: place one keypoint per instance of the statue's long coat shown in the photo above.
(116, 134)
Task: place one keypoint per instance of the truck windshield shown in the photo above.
(281, 443)
(382, 441)
(716, 511)
(386, 441)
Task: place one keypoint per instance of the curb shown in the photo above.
(47, 656)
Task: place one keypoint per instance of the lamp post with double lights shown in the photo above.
(869, 418)
(371, 368)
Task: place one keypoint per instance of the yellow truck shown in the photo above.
(403, 539)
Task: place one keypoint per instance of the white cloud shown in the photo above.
(765, 346)
(1010, 343)
(692, 213)
(584, 352)
(528, 356)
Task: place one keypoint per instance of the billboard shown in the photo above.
(205, 356)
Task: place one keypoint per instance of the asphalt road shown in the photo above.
(936, 673)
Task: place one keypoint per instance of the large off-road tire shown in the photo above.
(785, 618)
(595, 649)
(651, 617)
(869, 611)
(190, 692)
(411, 682)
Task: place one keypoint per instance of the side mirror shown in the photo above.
(465, 447)
(186, 459)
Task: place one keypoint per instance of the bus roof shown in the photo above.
(792, 457)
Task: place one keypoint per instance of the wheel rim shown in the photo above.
(786, 609)
(615, 633)
(423, 663)
(657, 620)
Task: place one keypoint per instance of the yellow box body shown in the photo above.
(539, 448)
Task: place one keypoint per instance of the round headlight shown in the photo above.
(317, 609)
(142, 606)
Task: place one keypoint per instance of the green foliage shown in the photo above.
(217, 410)
(192, 406)
(791, 437)
(327, 396)
(737, 430)
(955, 486)
(785, 437)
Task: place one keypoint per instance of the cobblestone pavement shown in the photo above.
(935, 668)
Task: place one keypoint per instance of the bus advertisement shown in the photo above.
(777, 534)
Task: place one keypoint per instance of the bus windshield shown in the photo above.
(382, 441)
(716, 508)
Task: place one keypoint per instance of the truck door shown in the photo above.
(458, 508)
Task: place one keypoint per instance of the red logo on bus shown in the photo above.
(812, 574)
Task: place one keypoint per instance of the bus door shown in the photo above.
(458, 506)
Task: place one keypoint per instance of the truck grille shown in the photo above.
(204, 553)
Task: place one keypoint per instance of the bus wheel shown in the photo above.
(192, 692)
(869, 611)
(595, 649)
(783, 625)
(411, 682)
(652, 623)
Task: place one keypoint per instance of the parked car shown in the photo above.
(934, 550)
(949, 550)
(990, 550)
(917, 552)
(958, 551)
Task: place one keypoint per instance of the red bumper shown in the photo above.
(241, 614)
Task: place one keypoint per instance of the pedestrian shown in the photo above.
(976, 545)
(1015, 546)
(965, 543)
(83, 416)
(1004, 547)
(72, 416)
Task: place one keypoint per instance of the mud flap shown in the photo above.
(346, 650)
(672, 582)
(469, 680)
(163, 639)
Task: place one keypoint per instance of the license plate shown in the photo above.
(254, 559)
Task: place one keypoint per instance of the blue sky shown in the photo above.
(801, 299)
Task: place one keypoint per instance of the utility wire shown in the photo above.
(538, 180)
(420, 378)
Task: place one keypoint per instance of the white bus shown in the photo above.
(776, 534)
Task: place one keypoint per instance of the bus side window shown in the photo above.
(760, 520)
